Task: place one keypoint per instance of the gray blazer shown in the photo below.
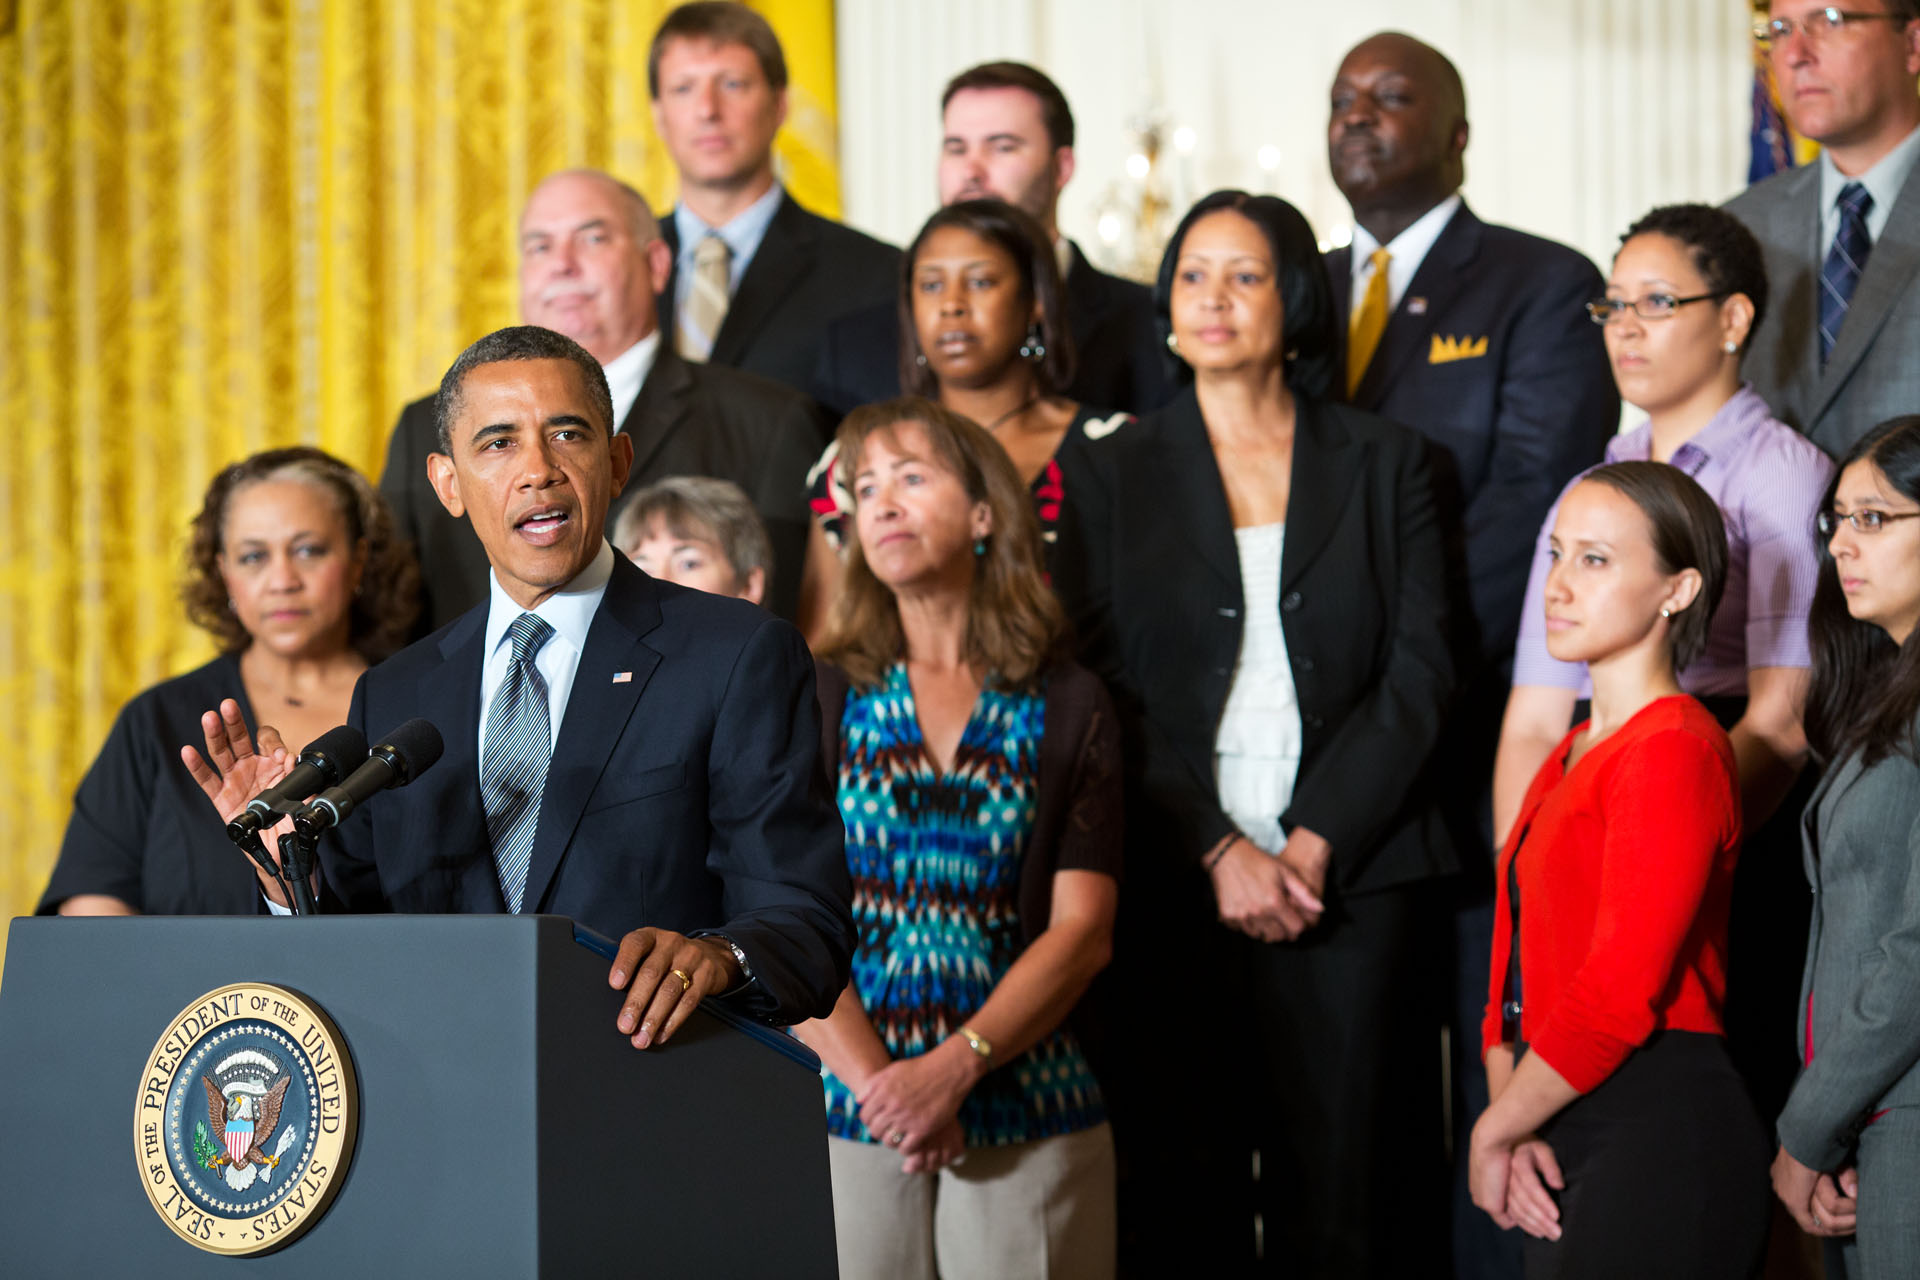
(1874, 372)
(1862, 852)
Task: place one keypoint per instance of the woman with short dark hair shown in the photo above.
(983, 331)
(1618, 1135)
(294, 568)
(977, 772)
(1849, 1161)
(1687, 292)
(1257, 571)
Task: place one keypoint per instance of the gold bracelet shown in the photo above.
(977, 1042)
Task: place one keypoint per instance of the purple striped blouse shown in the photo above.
(1768, 480)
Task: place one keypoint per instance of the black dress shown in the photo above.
(141, 830)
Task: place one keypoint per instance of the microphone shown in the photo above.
(326, 760)
(408, 752)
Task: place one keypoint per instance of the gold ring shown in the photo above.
(686, 983)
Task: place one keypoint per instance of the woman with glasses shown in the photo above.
(1686, 295)
(1849, 1161)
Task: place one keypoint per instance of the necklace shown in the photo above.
(1014, 412)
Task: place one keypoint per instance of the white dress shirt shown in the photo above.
(1883, 183)
(627, 371)
(1409, 250)
(1258, 743)
(569, 611)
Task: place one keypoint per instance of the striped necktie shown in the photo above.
(513, 760)
(706, 306)
(1369, 322)
(1840, 274)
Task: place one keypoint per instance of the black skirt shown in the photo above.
(1666, 1171)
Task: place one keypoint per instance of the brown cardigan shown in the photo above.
(1078, 823)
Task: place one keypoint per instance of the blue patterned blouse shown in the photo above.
(936, 873)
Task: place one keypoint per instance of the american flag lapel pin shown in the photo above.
(623, 677)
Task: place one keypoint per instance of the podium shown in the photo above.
(503, 1125)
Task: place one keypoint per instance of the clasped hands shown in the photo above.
(1274, 898)
(913, 1104)
(1511, 1183)
(1824, 1204)
(649, 965)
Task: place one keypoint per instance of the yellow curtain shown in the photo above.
(232, 224)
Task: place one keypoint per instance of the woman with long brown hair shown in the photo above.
(977, 773)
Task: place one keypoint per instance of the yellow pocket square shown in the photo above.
(1450, 348)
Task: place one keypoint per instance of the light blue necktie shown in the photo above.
(513, 763)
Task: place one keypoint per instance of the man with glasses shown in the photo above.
(1842, 236)
(1475, 335)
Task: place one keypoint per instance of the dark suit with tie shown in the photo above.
(688, 419)
(1119, 362)
(1319, 1052)
(685, 791)
(1873, 372)
(807, 272)
(1492, 357)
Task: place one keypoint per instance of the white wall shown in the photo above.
(1585, 113)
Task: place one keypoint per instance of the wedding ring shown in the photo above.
(895, 1138)
(686, 983)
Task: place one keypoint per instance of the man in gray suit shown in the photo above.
(1838, 354)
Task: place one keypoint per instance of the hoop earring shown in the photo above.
(1033, 348)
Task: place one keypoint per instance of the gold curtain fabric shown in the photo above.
(232, 224)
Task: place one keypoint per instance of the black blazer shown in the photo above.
(1515, 422)
(1155, 592)
(688, 419)
(687, 795)
(807, 272)
(1119, 364)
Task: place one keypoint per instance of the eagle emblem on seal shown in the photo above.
(244, 1095)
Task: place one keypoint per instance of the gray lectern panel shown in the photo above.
(505, 1126)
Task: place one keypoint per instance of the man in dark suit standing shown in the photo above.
(591, 261)
(1837, 356)
(1007, 132)
(1476, 336)
(755, 278)
(617, 749)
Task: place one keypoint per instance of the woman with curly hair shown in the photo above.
(294, 568)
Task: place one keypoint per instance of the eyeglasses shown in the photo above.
(1865, 520)
(1817, 25)
(1655, 306)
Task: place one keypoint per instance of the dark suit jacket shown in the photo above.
(690, 796)
(687, 420)
(1874, 371)
(1514, 424)
(1158, 604)
(807, 272)
(1119, 360)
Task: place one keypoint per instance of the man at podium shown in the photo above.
(617, 749)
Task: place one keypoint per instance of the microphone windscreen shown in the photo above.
(344, 745)
(413, 747)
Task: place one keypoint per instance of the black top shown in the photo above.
(1151, 576)
(141, 830)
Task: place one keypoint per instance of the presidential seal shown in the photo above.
(245, 1119)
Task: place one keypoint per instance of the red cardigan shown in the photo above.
(1626, 876)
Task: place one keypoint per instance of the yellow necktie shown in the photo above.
(1369, 322)
(706, 306)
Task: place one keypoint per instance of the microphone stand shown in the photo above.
(297, 849)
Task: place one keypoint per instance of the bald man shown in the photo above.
(591, 264)
(1476, 336)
